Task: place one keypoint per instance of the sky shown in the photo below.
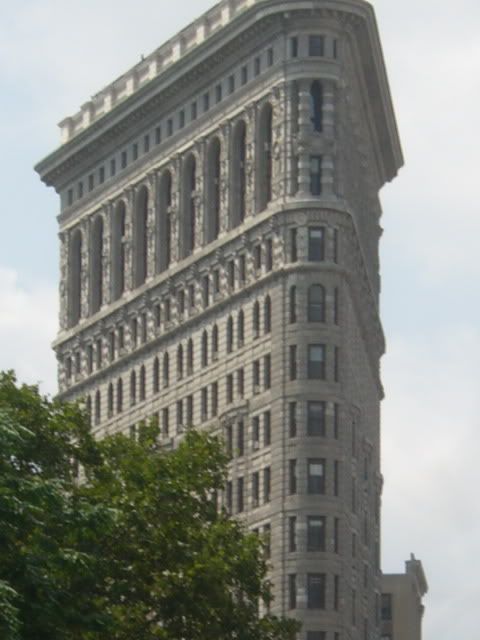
(55, 54)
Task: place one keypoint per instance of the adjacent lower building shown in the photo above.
(402, 606)
(219, 230)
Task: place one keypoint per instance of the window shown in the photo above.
(292, 477)
(70, 197)
(240, 439)
(190, 357)
(256, 376)
(316, 476)
(229, 496)
(158, 135)
(316, 106)
(119, 396)
(230, 335)
(255, 489)
(292, 591)
(91, 182)
(267, 539)
(292, 315)
(316, 239)
(166, 370)
(206, 291)
(316, 175)
(292, 534)
(336, 535)
(267, 315)
(316, 413)
(386, 606)
(206, 101)
(240, 495)
(267, 374)
(179, 416)
(143, 384)
(229, 388)
(317, 635)
(268, 254)
(316, 590)
(270, 57)
(156, 376)
(316, 533)
(316, 361)
(336, 306)
(244, 75)
(146, 143)
(80, 190)
(231, 274)
(242, 271)
(293, 245)
(165, 422)
(123, 159)
(292, 419)
(113, 167)
(256, 66)
(214, 342)
(294, 47)
(214, 398)
(336, 366)
(256, 320)
(231, 84)
(255, 432)
(193, 111)
(135, 151)
(101, 175)
(292, 365)
(267, 428)
(316, 45)
(335, 246)
(216, 282)
(316, 303)
(266, 484)
(240, 383)
(179, 362)
(218, 93)
(133, 388)
(110, 400)
(181, 119)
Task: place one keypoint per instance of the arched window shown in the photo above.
(96, 265)
(256, 319)
(316, 303)
(204, 349)
(118, 250)
(188, 206)
(229, 334)
(75, 276)
(238, 174)
(163, 234)
(140, 243)
(190, 357)
(212, 218)
(119, 395)
(143, 383)
(316, 105)
(133, 388)
(214, 342)
(240, 328)
(166, 370)
(110, 400)
(292, 311)
(267, 315)
(98, 407)
(179, 362)
(264, 155)
(156, 376)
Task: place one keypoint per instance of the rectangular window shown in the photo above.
(270, 56)
(316, 45)
(386, 606)
(293, 361)
(316, 242)
(231, 274)
(189, 410)
(206, 102)
(257, 257)
(169, 127)
(316, 175)
(336, 535)
(316, 533)
(256, 66)
(244, 75)
(336, 478)
(179, 416)
(266, 484)
(146, 143)
(240, 383)
(294, 47)
(214, 398)
(231, 84)
(267, 428)
(255, 489)
(193, 111)
(316, 476)
(336, 367)
(135, 151)
(80, 190)
(123, 159)
(216, 282)
(242, 270)
(240, 439)
(292, 477)
(292, 419)
(191, 296)
(336, 306)
(204, 404)
(70, 197)
(255, 432)
(91, 182)
(292, 591)
(335, 246)
(267, 539)
(229, 440)
(113, 167)
(181, 119)
(240, 495)
(292, 534)
(335, 48)
(256, 376)
(218, 93)
(269, 255)
(316, 361)
(165, 421)
(316, 412)
(158, 135)
(229, 496)
(293, 245)
(317, 635)
(316, 583)
(267, 374)
(229, 388)
(206, 291)
(98, 353)
(101, 175)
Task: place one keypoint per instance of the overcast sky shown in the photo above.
(54, 54)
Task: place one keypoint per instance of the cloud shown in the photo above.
(28, 324)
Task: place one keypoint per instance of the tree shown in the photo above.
(137, 549)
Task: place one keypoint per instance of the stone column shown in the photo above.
(128, 240)
(174, 209)
(85, 269)
(107, 253)
(225, 179)
(328, 162)
(199, 195)
(250, 160)
(291, 131)
(304, 133)
(279, 138)
(152, 203)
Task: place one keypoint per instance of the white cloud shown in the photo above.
(28, 323)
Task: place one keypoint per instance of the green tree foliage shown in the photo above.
(136, 550)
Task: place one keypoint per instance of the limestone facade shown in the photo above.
(219, 233)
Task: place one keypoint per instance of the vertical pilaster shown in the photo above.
(85, 269)
(63, 288)
(304, 133)
(199, 194)
(250, 161)
(128, 240)
(107, 253)
(152, 200)
(291, 131)
(225, 178)
(278, 142)
(328, 119)
(175, 216)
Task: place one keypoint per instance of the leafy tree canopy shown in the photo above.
(136, 550)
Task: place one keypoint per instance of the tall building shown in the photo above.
(402, 606)
(219, 230)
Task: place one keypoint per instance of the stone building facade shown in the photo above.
(219, 232)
